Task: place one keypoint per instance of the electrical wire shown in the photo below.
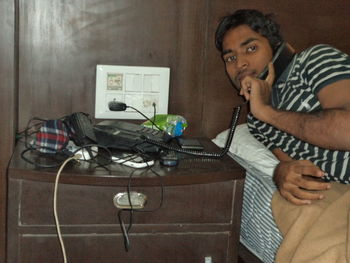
(154, 113)
(121, 106)
(153, 123)
(68, 153)
(75, 157)
(131, 210)
(36, 164)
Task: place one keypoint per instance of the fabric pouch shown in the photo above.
(52, 137)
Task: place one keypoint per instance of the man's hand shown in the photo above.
(296, 179)
(258, 92)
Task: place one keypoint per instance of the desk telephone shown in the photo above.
(114, 134)
(128, 136)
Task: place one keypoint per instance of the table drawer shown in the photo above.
(82, 204)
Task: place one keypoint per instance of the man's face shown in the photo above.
(245, 52)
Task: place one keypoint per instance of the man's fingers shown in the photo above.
(313, 184)
(299, 196)
(246, 86)
(308, 168)
(294, 200)
(309, 179)
(306, 195)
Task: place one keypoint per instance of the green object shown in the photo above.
(174, 125)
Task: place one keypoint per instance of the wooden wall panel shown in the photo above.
(7, 106)
(61, 43)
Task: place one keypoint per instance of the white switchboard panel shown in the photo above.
(138, 87)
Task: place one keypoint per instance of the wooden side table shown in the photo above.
(199, 220)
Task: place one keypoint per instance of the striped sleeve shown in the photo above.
(273, 138)
(259, 129)
(322, 65)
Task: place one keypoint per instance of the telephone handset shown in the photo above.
(283, 56)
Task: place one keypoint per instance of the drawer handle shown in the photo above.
(138, 200)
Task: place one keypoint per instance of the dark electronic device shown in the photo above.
(190, 143)
(114, 134)
(283, 56)
(81, 125)
(128, 136)
(169, 158)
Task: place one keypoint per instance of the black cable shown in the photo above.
(124, 231)
(38, 164)
(67, 153)
(95, 159)
(28, 127)
(154, 113)
(121, 106)
(153, 123)
(131, 210)
(130, 157)
(27, 135)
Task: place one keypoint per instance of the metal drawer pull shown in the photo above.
(138, 200)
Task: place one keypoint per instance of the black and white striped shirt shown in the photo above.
(296, 90)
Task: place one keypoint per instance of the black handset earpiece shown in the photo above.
(283, 56)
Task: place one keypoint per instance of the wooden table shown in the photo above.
(198, 221)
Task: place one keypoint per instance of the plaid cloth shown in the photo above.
(52, 137)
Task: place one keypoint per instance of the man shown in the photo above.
(303, 117)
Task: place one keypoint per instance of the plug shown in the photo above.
(117, 106)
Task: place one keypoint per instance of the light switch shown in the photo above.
(133, 83)
(151, 83)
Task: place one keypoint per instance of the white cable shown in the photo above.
(75, 157)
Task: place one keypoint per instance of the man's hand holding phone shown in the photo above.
(258, 93)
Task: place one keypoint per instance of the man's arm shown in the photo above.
(328, 128)
(298, 179)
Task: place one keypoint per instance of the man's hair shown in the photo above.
(257, 21)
